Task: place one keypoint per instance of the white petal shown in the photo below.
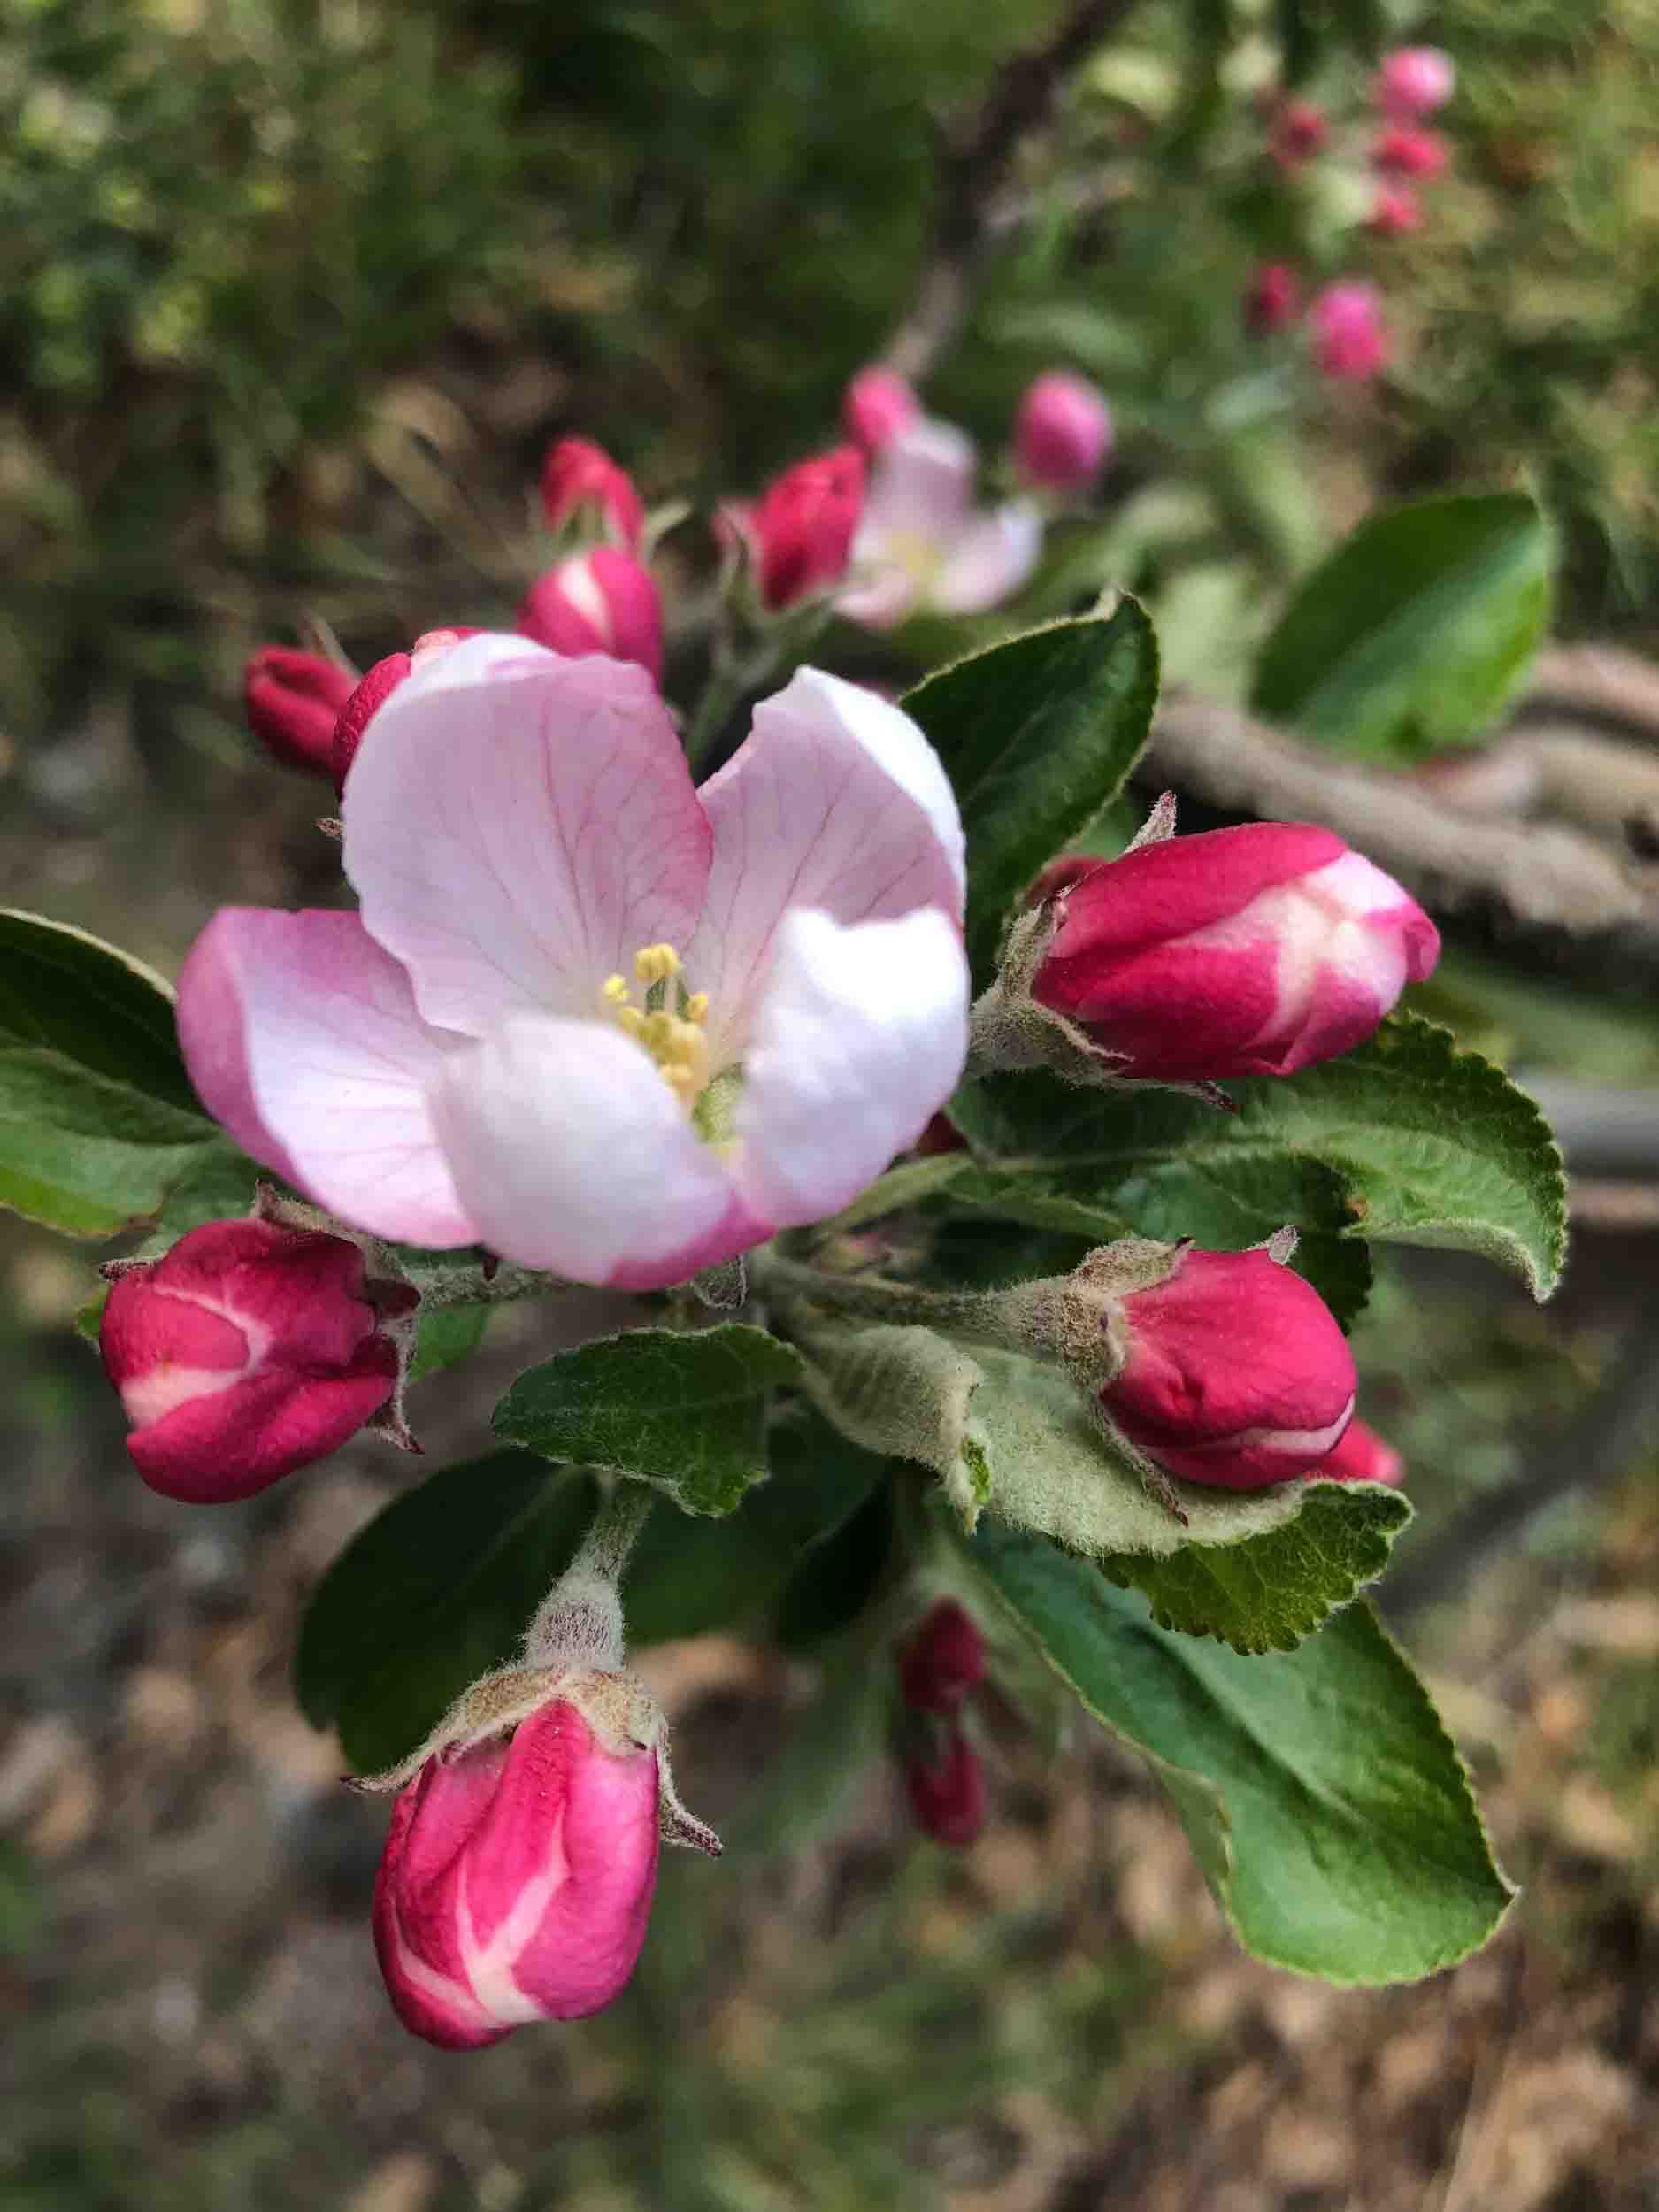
(836, 801)
(922, 481)
(302, 1037)
(573, 1154)
(860, 1038)
(990, 560)
(518, 825)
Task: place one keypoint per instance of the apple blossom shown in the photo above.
(1414, 80)
(945, 1784)
(1062, 433)
(293, 700)
(517, 1877)
(599, 1021)
(878, 404)
(246, 1351)
(942, 1659)
(923, 543)
(580, 478)
(601, 602)
(1236, 1374)
(1247, 951)
(1350, 342)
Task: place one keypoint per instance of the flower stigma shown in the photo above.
(676, 1038)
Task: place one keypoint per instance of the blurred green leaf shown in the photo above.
(1415, 631)
(445, 1336)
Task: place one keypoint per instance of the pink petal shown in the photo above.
(835, 802)
(860, 1037)
(518, 825)
(990, 559)
(923, 480)
(302, 1038)
(573, 1154)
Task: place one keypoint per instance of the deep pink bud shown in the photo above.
(1274, 301)
(377, 687)
(877, 405)
(1249, 951)
(1299, 131)
(1404, 151)
(246, 1351)
(1414, 80)
(1063, 432)
(1395, 212)
(292, 701)
(1237, 1374)
(942, 1660)
(602, 602)
(946, 1787)
(801, 528)
(1361, 1456)
(516, 1878)
(579, 478)
(1349, 343)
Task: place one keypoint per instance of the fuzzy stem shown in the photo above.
(1001, 1318)
(580, 1621)
(468, 1286)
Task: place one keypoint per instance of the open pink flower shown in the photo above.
(923, 543)
(597, 1020)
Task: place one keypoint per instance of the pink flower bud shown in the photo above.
(1404, 151)
(293, 700)
(801, 528)
(1361, 1456)
(1063, 432)
(942, 1660)
(1299, 131)
(1395, 212)
(1236, 1375)
(1249, 951)
(246, 1351)
(878, 404)
(1349, 343)
(377, 687)
(1274, 301)
(1414, 80)
(580, 478)
(516, 1878)
(602, 602)
(945, 1784)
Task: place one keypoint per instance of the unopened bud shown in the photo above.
(942, 1660)
(293, 700)
(1405, 150)
(878, 404)
(580, 480)
(1414, 80)
(1274, 301)
(602, 602)
(1299, 131)
(1350, 343)
(945, 1784)
(377, 688)
(1063, 432)
(1395, 212)
(1361, 1456)
(800, 530)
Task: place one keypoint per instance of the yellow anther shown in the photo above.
(697, 1007)
(614, 989)
(632, 1020)
(654, 964)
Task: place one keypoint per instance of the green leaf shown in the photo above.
(1321, 1794)
(1268, 1592)
(687, 1411)
(445, 1336)
(1037, 735)
(1416, 1142)
(437, 1589)
(98, 1122)
(1415, 631)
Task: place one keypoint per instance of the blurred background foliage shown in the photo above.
(293, 293)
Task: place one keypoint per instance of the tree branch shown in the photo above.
(1601, 683)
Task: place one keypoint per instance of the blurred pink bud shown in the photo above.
(1414, 80)
(942, 1660)
(293, 700)
(1274, 301)
(1299, 131)
(1361, 1456)
(878, 404)
(1404, 150)
(1395, 212)
(801, 528)
(946, 1787)
(1063, 432)
(580, 478)
(1237, 1374)
(1349, 343)
(516, 1878)
(1247, 951)
(602, 602)
(377, 687)
(246, 1351)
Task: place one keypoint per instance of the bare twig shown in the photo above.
(1601, 683)
(1562, 769)
(978, 158)
(1536, 876)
